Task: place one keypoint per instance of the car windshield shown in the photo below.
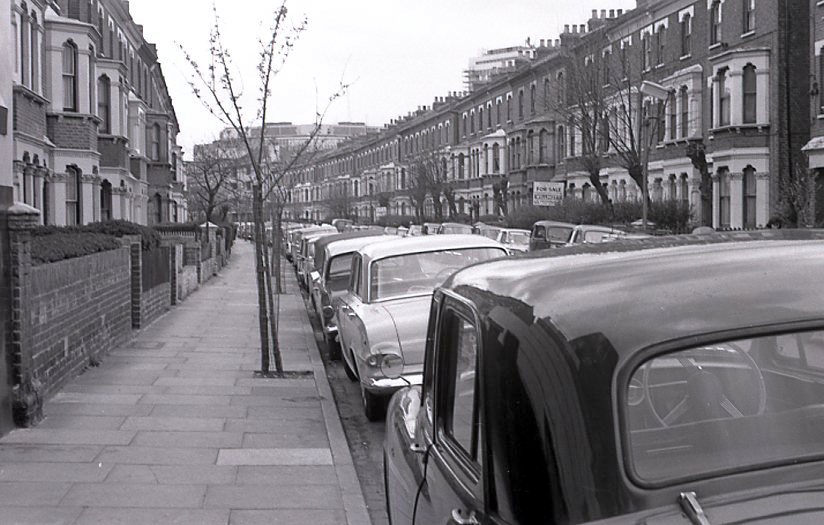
(727, 407)
(594, 236)
(340, 268)
(420, 273)
(517, 238)
(558, 233)
(457, 229)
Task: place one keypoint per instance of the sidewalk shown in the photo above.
(174, 428)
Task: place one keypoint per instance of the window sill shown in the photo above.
(659, 66)
(717, 45)
(819, 3)
(686, 57)
(748, 34)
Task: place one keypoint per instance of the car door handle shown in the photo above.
(459, 518)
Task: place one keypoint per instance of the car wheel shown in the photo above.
(332, 346)
(374, 405)
(351, 374)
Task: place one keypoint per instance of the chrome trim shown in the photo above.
(372, 383)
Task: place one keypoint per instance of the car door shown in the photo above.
(343, 306)
(454, 475)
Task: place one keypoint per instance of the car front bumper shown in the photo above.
(386, 385)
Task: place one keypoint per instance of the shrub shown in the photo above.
(60, 245)
(670, 215)
(149, 237)
(176, 227)
(396, 220)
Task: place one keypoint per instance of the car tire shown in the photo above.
(351, 374)
(374, 405)
(333, 347)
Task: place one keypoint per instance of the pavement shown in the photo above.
(173, 427)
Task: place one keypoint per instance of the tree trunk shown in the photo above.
(261, 282)
(595, 180)
(277, 245)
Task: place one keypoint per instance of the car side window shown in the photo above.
(458, 400)
(539, 232)
(354, 279)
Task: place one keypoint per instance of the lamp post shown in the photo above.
(660, 93)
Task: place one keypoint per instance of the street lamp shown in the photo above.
(658, 92)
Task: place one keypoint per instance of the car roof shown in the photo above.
(323, 242)
(597, 228)
(456, 224)
(638, 293)
(403, 245)
(515, 230)
(553, 223)
(351, 245)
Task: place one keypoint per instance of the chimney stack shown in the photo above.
(620, 12)
(594, 13)
(566, 28)
(612, 13)
(582, 29)
(603, 13)
(543, 42)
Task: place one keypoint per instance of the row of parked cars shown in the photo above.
(653, 380)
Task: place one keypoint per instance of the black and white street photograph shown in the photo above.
(439, 262)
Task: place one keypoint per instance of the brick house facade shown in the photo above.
(94, 126)
(737, 73)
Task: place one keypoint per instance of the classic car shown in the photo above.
(415, 230)
(381, 319)
(514, 239)
(590, 233)
(549, 234)
(330, 277)
(295, 237)
(621, 383)
(487, 230)
(454, 227)
(306, 258)
(430, 228)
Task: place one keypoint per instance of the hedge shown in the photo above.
(668, 215)
(118, 228)
(60, 245)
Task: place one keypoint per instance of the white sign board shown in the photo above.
(380, 211)
(547, 193)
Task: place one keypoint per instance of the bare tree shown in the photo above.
(430, 177)
(212, 175)
(220, 89)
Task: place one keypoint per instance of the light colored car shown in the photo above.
(296, 236)
(592, 234)
(307, 255)
(450, 228)
(415, 230)
(382, 317)
(515, 240)
(330, 279)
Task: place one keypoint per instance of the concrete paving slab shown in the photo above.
(112, 389)
(276, 383)
(198, 439)
(158, 456)
(209, 390)
(277, 401)
(275, 456)
(286, 475)
(87, 422)
(134, 495)
(297, 426)
(41, 516)
(32, 494)
(197, 411)
(179, 399)
(68, 436)
(196, 381)
(181, 424)
(49, 453)
(263, 497)
(83, 397)
(174, 474)
(130, 516)
(95, 409)
(54, 472)
(285, 413)
(284, 440)
(288, 517)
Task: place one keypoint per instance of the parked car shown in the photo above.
(341, 224)
(382, 317)
(296, 236)
(449, 228)
(487, 230)
(549, 234)
(548, 397)
(306, 259)
(514, 239)
(430, 228)
(593, 234)
(330, 277)
(415, 230)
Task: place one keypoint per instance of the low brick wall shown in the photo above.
(186, 282)
(78, 309)
(154, 302)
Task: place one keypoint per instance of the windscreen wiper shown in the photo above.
(692, 508)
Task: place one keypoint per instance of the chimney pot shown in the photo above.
(594, 13)
(574, 29)
(583, 29)
(566, 28)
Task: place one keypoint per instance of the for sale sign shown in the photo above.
(547, 193)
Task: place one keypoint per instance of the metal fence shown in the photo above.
(155, 268)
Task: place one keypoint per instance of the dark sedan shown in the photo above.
(624, 382)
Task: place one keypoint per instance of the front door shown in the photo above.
(455, 472)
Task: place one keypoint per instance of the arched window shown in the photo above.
(749, 188)
(73, 192)
(560, 148)
(498, 111)
(529, 148)
(489, 116)
(672, 188)
(480, 119)
(750, 92)
(508, 108)
(106, 201)
(472, 123)
(715, 22)
(673, 116)
(496, 158)
(586, 192)
(542, 147)
(685, 112)
(521, 104)
(104, 104)
(69, 76)
(723, 99)
(486, 159)
(546, 93)
(461, 162)
(532, 99)
(684, 191)
(35, 54)
(158, 208)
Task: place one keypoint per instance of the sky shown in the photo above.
(395, 55)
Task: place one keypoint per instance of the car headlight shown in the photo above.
(388, 358)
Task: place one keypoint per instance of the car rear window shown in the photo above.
(559, 234)
(727, 406)
(340, 268)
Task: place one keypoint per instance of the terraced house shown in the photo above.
(94, 126)
(726, 136)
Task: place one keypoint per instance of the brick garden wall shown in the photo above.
(78, 309)
(186, 282)
(154, 302)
